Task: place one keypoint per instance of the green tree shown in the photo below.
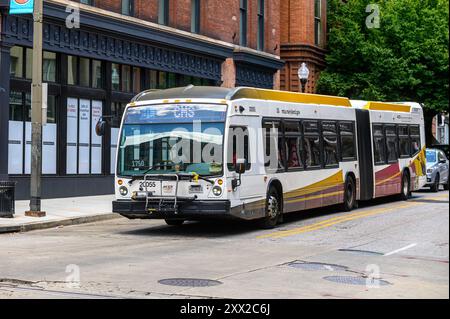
(405, 59)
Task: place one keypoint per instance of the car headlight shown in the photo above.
(217, 190)
(123, 191)
(429, 170)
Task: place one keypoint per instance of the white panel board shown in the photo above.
(84, 136)
(72, 136)
(96, 141)
(15, 147)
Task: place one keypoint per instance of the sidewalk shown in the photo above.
(60, 212)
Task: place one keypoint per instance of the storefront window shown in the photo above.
(162, 80)
(84, 72)
(115, 77)
(97, 80)
(136, 80)
(19, 151)
(49, 67)
(171, 80)
(29, 63)
(72, 74)
(126, 78)
(16, 68)
(51, 109)
(15, 106)
(152, 77)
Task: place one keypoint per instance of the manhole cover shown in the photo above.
(189, 282)
(316, 266)
(349, 280)
(362, 252)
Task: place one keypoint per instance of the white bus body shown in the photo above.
(324, 147)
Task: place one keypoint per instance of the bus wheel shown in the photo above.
(174, 222)
(435, 186)
(406, 188)
(349, 195)
(273, 210)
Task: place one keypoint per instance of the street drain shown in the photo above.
(189, 282)
(362, 252)
(316, 266)
(349, 280)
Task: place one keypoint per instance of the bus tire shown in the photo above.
(273, 210)
(174, 222)
(435, 187)
(405, 189)
(349, 194)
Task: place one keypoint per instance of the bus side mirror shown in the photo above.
(100, 127)
(240, 166)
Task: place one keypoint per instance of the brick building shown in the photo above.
(303, 39)
(122, 47)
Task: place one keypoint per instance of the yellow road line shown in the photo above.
(341, 219)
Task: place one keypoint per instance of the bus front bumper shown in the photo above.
(189, 210)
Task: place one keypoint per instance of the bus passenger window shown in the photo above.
(403, 141)
(414, 133)
(379, 154)
(311, 143)
(273, 146)
(330, 144)
(294, 151)
(347, 137)
(391, 144)
(238, 147)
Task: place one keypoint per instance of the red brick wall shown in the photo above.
(219, 19)
(146, 10)
(180, 14)
(298, 43)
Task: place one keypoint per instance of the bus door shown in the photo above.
(242, 145)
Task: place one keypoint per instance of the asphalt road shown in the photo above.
(385, 249)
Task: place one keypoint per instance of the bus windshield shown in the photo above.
(172, 139)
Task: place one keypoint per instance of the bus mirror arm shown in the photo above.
(235, 183)
(239, 169)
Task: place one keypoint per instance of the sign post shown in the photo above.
(35, 7)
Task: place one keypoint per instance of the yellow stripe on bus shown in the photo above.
(332, 181)
(380, 106)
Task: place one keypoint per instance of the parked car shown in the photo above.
(443, 147)
(437, 169)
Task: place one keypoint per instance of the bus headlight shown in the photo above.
(217, 190)
(123, 191)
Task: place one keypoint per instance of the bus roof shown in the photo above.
(385, 106)
(220, 93)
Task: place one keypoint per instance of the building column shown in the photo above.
(5, 60)
(228, 73)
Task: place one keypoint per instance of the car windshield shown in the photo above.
(167, 140)
(431, 156)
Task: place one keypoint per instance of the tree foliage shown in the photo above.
(405, 59)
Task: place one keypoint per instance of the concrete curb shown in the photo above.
(57, 223)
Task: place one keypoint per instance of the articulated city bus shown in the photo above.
(193, 153)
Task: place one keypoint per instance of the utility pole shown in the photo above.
(36, 114)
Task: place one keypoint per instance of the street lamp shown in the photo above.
(303, 74)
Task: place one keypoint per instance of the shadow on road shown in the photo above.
(222, 228)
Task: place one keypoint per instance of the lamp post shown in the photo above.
(303, 74)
